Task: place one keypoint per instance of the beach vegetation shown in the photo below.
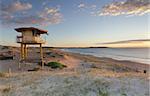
(123, 94)
(56, 65)
(6, 90)
(103, 93)
(3, 74)
(35, 69)
(6, 57)
(123, 91)
(5, 47)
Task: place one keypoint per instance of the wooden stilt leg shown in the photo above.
(41, 54)
(21, 54)
(19, 66)
(21, 51)
(25, 51)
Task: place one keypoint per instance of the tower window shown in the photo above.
(34, 32)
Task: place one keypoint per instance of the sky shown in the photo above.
(77, 23)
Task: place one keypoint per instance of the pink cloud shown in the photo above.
(16, 6)
(42, 17)
(128, 7)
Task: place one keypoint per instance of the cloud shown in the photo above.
(81, 5)
(88, 8)
(15, 7)
(51, 16)
(18, 14)
(8, 12)
(26, 20)
(127, 43)
(93, 7)
(51, 10)
(44, 3)
(128, 7)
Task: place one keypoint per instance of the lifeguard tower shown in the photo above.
(30, 36)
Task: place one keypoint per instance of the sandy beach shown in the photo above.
(85, 75)
(74, 48)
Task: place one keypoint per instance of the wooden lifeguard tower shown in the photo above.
(30, 36)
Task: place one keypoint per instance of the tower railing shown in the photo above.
(28, 39)
(19, 39)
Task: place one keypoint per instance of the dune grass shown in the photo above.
(56, 65)
(2, 74)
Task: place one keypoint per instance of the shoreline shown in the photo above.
(127, 62)
(119, 57)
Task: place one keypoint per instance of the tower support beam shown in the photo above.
(25, 51)
(22, 51)
(41, 56)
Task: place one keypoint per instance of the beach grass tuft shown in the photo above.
(103, 93)
(3, 74)
(6, 90)
(5, 47)
(56, 65)
(35, 69)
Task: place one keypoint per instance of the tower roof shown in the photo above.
(39, 31)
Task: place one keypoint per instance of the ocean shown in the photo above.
(140, 55)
